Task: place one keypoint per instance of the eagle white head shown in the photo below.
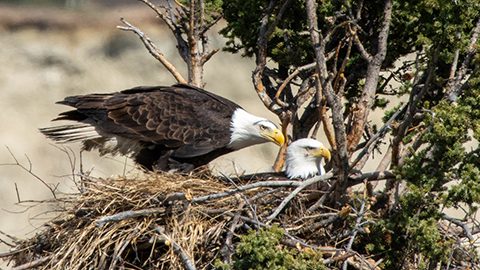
(247, 129)
(305, 157)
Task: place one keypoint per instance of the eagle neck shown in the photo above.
(299, 168)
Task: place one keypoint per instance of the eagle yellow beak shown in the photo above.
(275, 136)
(322, 152)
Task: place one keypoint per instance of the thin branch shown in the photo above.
(456, 85)
(465, 228)
(209, 55)
(178, 250)
(279, 183)
(152, 49)
(363, 52)
(380, 133)
(296, 191)
(355, 230)
(33, 264)
(29, 171)
(227, 248)
(129, 214)
(288, 79)
(265, 30)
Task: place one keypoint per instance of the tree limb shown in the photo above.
(152, 49)
(361, 112)
(455, 85)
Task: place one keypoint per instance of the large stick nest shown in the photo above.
(166, 221)
(158, 221)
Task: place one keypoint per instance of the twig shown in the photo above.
(455, 86)
(355, 230)
(227, 249)
(177, 249)
(245, 199)
(465, 228)
(152, 49)
(380, 133)
(32, 264)
(296, 191)
(29, 170)
(288, 79)
(279, 183)
(128, 214)
(320, 201)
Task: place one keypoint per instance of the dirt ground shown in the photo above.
(49, 54)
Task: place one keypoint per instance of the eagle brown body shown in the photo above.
(158, 126)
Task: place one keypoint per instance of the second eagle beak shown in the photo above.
(322, 152)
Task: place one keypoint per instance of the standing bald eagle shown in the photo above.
(305, 158)
(179, 127)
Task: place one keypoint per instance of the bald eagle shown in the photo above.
(177, 127)
(304, 158)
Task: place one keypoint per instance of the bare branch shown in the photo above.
(455, 86)
(327, 90)
(355, 230)
(366, 101)
(33, 264)
(279, 183)
(29, 171)
(464, 226)
(380, 133)
(287, 81)
(177, 249)
(209, 55)
(152, 49)
(265, 30)
(296, 191)
(363, 52)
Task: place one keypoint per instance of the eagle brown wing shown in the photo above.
(190, 120)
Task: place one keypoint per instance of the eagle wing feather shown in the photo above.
(189, 119)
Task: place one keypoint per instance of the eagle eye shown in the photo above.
(309, 148)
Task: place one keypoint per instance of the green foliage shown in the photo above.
(443, 171)
(263, 250)
(288, 46)
(410, 229)
(212, 10)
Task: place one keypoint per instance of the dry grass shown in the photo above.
(156, 221)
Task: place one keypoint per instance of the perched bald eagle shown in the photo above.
(177, 127)
(305, 158)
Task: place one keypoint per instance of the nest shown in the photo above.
(157, 221)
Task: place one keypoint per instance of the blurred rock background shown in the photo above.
(52, 49)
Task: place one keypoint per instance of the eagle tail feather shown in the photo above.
(70, 133)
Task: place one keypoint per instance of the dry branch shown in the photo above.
(294, 193)
(152, 49)
(364, 105)
(186, 260)
(333, 100)
(32, 264)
